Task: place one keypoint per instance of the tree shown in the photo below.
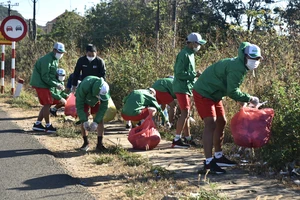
(70, 27)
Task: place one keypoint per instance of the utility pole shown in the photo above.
(9, 6)
(34, 21)
(174, 18)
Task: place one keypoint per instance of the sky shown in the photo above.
(47, 10)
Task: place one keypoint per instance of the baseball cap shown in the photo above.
(253, 51)
(195, 37)
(104, 92)
(151, 90)
(61, 72)
(60, 47)
(91, 48)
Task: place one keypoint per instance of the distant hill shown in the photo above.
(4, 12)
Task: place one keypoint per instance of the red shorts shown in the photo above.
(184, 101)
(163, 97)
(55, 102)
(207, 107)
(144, 113)
(44, 96)
(93, 110)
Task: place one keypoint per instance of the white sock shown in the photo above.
(218, 154)
(48, 124)
(129, 123)
(207, 161)
(177, 137)
(188, 138)
(38, 122)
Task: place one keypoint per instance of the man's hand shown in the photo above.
(86, 126)
(73, 89)
(93, 126)
(168, 125)
(63, 101)
(60, 87)
(198, 73)
(254, 101)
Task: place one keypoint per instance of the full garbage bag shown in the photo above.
(251, 127)
(145, 136)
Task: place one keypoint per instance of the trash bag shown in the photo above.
(145, 136)
(70, 107)
(251, 127)
(111, 111)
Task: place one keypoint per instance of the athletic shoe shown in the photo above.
(128, 126)
(50, 129)
(213, 168)
(53, 112)
(180, 144)
(101, 148)
(224, 162)
(85, 147)
(190, 142)
(39, 127)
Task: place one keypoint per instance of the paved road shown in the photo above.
(29, 171)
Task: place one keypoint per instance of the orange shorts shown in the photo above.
(163, 97)
(44, 96)
(144, 113)
(207, 107)
(184, 101)
(93, 110)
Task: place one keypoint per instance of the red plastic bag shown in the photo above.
(145, 136)
(251, 127)
(70, 107)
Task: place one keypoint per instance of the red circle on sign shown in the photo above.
(10, 28)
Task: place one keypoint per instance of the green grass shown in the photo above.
(103, 159)
(69, 130)
(128, 158)
(166, 135)
(132, 192)
(26, 101)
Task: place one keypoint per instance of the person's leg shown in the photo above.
(172, 112)
(207, 137)
(219, 133)
(100, 131)
(206, 109)
(84, 133)
(46, 114)
(184, 104)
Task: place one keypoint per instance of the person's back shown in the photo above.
(44, 71)
(164, 85)
(223, 78)
(136, 101)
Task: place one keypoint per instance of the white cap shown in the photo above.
(61, 72)
(253, 51)
(195, 37)
(151, 90)
(60, 47)
(104, 92)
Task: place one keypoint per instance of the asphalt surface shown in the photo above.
(29, 171)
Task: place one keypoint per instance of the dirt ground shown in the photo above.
(114, 180)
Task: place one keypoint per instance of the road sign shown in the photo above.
(13, 28)
(3, 40)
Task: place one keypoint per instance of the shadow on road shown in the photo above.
(16, 118)
(49, 182)
(23, 152)
(12, 131)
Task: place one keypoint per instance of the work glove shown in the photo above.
(73, 88)
(254, 101)
(86, 126)
(93, 126)
(168, 125)
(63, 101)
(60, 87)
